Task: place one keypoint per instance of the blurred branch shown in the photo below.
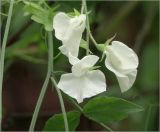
(32, 59)
(123, 12)
(145, 28)
(148, 116)
(3, 14)
(20, 31)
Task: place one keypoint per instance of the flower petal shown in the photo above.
(123, 62)
(72, 86)
(95, 83)
(123, 57)
(73, 60)
(69, 31)
(61, 24)
(111, 67)
(84, 64)
(127, 81)
(89, 60)
(86, 86)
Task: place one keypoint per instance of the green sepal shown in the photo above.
(109, 40)
(101, 47)
(83, 44)
(76, 12)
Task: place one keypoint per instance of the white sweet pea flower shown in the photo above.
(123, 61)
(83, 82)
(69, 30)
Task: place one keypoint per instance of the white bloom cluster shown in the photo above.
(84, 81)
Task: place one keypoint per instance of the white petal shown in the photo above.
(123, 61)
(61, 24)
(111, 67)
(69, 31)
(86, 86)
(89, 60)
(84, 64)
(72, 86)
(95, 83)
(123, 57)
(127, 81)
(73, 60)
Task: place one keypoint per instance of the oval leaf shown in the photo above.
(108, 109)
(56, 122)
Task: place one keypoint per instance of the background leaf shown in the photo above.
(40, 15)
(56, 122)
(108, 109)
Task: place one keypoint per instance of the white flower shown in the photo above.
(83, 82)
(123, 61)
(69, 30)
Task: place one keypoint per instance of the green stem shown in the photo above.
(87, 25)
(2, 55)
(82, 8)
(106, 127)
(92, 38)
(57, 56)
(62, 104)
(89, 34)
(44, 87)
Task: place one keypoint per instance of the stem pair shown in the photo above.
(44, 88)
(45, 84)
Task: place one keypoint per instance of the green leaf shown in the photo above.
(109, 109)
(40, 15)
(56, 122)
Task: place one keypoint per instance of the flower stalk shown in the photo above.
(84, 5)
(62, 104)
(2, 55)
(89, 34)
(44, 87)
